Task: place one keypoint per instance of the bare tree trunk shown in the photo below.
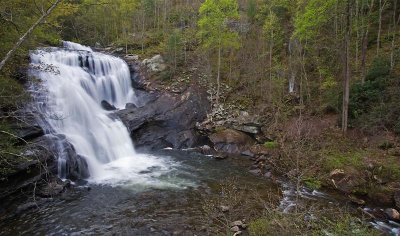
(271, 47)
(364, 56)
(395, 22)
(27, 33)
(219, 73)
(358, 33)
(365, 45)
(143, 19)
(346, 84)
(378, 39)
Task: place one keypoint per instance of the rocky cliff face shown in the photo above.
(167, 120)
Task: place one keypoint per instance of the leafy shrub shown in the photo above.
(385, 145)
(364, 96)
(380, 68)
(312, 183)
(278, 223)
(271, 144)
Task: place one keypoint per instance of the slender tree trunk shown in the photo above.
(358, 33)
(364, 56)
(175, 48)
(27, 33)
(219, 73)
(346, 84)
(395, 22)
(271, 47)
(143, 22)
(365, 45)
(378, 39)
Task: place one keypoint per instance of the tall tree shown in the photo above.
(214, 30)
(346, 82)
(44, 15)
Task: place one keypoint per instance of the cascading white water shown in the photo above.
(75, 81)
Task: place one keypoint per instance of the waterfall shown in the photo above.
(74, 82)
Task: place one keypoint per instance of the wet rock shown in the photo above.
(255, 172)
(337, 174)
(117, 50)
(393, 214)
(248, 153)
(356, 200)
(168, 121)
(268, 175)
(378, 214)
(235, 229)
(155, 64)
(238, 223)
(259, 149)
(261, 159)
(224, 208)
(130, 106)
(250, 128)
(137, 79)
(345, 182)
(254, 166)
(76, 165)
(131, 57)
(231, 141)
(52, 189)
(206, 150)
(26, 207)
(27, 132)
(220, 156)
(107, 106)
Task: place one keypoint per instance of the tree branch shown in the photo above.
(27, 33)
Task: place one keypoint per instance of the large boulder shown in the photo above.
(76, 166)
(155, 64)
(231, 141)
(167, 121)
(346, 182)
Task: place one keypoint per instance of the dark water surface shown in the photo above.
(170, 209)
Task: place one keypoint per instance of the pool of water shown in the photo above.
(170, 204)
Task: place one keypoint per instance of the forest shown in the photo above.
(317, 82)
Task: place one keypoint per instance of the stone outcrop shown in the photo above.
(167, 121)
(155, 64)
(231, 141)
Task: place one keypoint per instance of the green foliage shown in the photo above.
(338, 223)
(272, 28)
(374, 105)
(271, 144)
(315, 16)
(174, 47)
(380, 69)
(312, 183)
(330, 95)
(385, 145)
(252, 10)
(364, 96)
(12, 93)
(334, 159)
(214, 31)
(9, 150)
